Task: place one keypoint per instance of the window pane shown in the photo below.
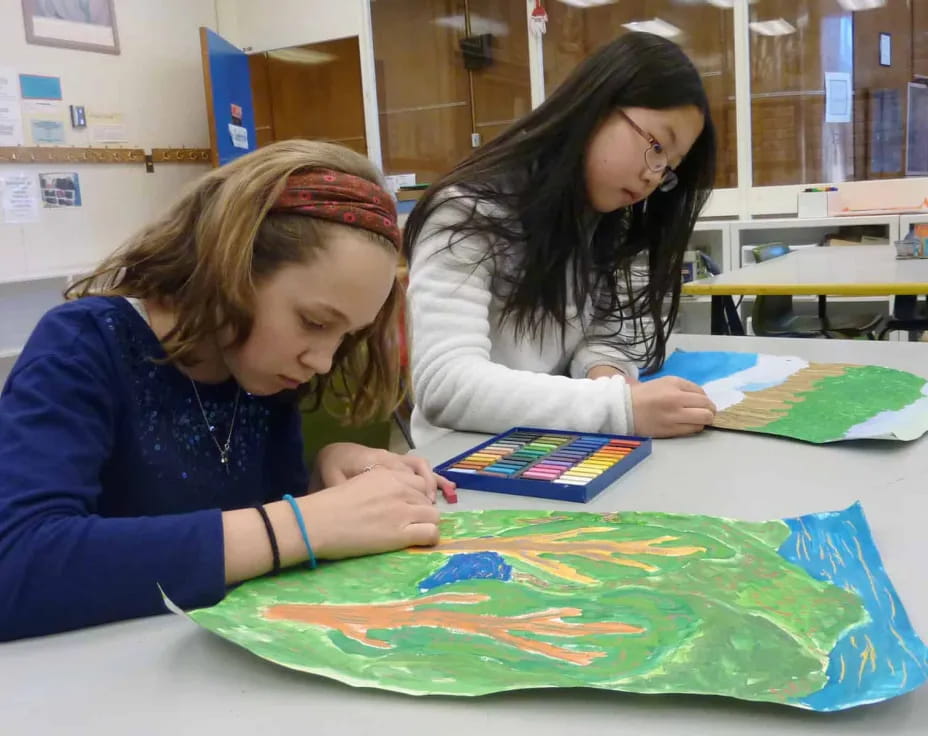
(703, 30)
(430, 103)
(502, 90)
(828, 105)
(422, 86)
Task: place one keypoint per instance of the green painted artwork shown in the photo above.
(815, 402)
(797, 611)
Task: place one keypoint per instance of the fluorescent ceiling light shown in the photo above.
(854, 5)
(656, 26)
(478, 25)
(722, 3)
(778, 27)
(588, 3)
(296, 55)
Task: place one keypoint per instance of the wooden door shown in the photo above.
(310, 91)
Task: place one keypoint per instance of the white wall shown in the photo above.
(156, 82)
(274, 24)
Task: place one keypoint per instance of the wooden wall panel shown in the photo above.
(920, 37)
(870, 78)
(502, 92)
(787, 84)
(422, 86)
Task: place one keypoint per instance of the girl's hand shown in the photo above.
(670, 407)
(608, 371)
(378, 511)
(341, 461)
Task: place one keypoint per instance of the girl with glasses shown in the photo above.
(545, 268)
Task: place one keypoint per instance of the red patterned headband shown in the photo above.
(343, 198)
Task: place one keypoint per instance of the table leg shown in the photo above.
(823, 314)
(725, 317)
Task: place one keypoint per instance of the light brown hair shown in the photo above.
(206, 254)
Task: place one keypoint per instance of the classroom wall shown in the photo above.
(275, 24)
(156, 83)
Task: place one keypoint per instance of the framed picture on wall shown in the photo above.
(86, 25)
(886, 49)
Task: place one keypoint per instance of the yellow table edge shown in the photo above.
(707, 288)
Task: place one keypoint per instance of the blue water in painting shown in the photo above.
(469, 566)
(882, 658)
(749, 387)
(703, 367)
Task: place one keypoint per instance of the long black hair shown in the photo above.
(524, 193)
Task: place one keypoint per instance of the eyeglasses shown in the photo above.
(655, 157)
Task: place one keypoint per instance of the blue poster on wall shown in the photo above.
(232, 115)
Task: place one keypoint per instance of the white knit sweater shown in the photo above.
(471, 373)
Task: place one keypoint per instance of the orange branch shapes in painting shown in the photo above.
(530, 548)
(356, 622)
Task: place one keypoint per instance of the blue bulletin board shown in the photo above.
(232, 113)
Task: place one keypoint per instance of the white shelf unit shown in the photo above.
(802, 232)
(729, 243)
(712, 237)
(905, 221)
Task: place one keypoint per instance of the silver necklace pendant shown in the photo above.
(223, 449)
(224, 456)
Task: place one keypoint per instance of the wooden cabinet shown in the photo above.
(430, 104)
(310, 91)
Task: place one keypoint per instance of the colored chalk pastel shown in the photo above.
(499, 469)
(579, 474)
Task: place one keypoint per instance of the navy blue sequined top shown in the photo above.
(110, 481)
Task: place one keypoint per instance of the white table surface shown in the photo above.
(164, 675)
(850, 270)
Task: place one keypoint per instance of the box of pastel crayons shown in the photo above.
(547, 463)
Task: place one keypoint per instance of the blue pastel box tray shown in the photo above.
(562, 462)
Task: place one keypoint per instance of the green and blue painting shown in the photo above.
(815, 402)
(797, 611)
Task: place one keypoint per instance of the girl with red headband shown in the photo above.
(149, 433)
